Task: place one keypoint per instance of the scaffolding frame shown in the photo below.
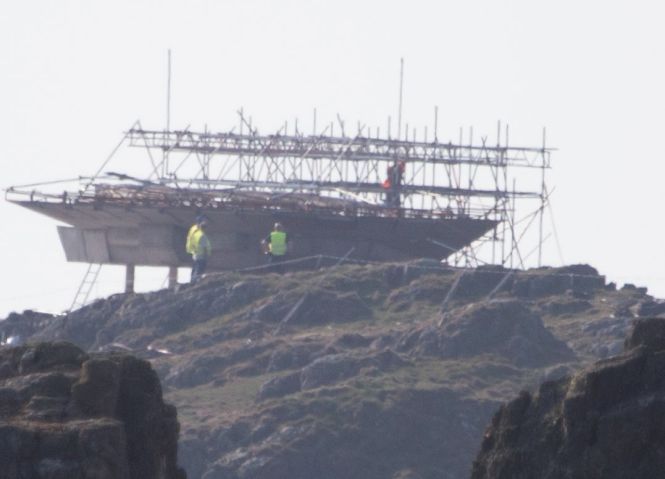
(441, 179)
(347, 173)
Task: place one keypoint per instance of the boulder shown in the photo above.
(65, 413)
(566, 307)
(333, 368)
(330, 369)
(280, 386)
(581, 280)
(293, 356)
(650, 308)
(505, 327)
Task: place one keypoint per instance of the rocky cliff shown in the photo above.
(607, 421)
(68, 414)
(367, 372)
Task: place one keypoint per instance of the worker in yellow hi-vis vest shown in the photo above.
(198, 245)
(276, 245)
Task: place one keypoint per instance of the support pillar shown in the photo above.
(173, 277)
(129, 278)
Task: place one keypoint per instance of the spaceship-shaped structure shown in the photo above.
(370, 198)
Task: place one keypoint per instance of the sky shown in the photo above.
(75, 74)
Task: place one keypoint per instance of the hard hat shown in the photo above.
(277, 226)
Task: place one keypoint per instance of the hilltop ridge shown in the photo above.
(361, 371)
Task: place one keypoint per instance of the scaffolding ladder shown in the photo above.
(85, 288)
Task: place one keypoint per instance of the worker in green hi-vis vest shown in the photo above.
(275, 245)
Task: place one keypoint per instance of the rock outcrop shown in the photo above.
(361, 371)
(68, 414)
(607, 421)
(504, 327)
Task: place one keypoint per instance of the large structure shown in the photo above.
(360, 196)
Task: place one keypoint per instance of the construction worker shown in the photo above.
(198, 245)
(275, 245)
(393, 183)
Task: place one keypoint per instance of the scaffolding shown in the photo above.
(437, 180)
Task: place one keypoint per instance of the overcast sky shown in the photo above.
(75, 74)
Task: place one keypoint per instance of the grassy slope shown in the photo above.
(229, 398)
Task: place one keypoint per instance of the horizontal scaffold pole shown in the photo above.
(359, 149)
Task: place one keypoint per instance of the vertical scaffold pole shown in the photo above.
(165, 162)
(173, 277)
(543, 199)
(401, 88)
(129, 278)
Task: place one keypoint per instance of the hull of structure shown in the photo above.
(141, 235)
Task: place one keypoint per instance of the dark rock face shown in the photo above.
(607, 421)
(67, 414)
(650, 308)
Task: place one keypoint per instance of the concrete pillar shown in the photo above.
(173, 277)
(129, 278)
